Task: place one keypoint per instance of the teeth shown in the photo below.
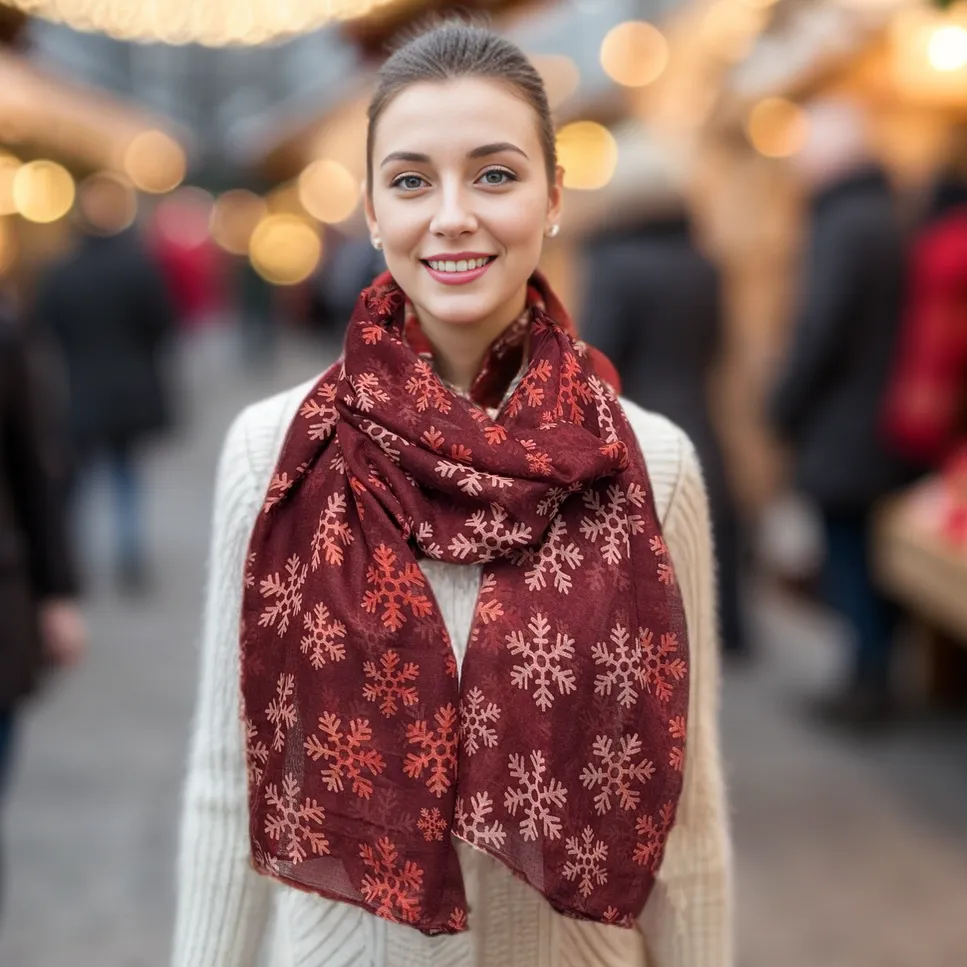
(464, 265)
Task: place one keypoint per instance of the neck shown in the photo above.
(459, 350)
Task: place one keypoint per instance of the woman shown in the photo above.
(465, 667)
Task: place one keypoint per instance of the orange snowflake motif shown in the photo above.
(394, 885)
(372, 334)
(438, 751)
(430, 393)
(495, 434)
(676, 728)
(458, 919)
(389, 685)
(346, 752)
(384, 300)
(395, 589)
(434, 439)
(660, 666)
(652, 835)
(432, 824)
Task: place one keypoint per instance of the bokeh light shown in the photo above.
(234, 218)
(560, 75)
(43, 191)
(155, 162)
(634, 54)
(777, 128)
(9, 166)
(285, 249)
(589, 154)
(107, 202)
(328, 191)
(947, 49)
(9, 245)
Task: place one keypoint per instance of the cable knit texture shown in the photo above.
(229, 916)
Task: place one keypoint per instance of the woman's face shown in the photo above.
(460, 200)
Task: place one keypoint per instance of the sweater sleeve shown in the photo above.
(223, 904)
(688, 919)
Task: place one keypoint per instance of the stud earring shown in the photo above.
(553, 231)
(377, 244)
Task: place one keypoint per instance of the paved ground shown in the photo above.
(848, 855)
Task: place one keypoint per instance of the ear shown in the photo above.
(368, 210)
(555, 198)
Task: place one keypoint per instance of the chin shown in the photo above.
(461, 309)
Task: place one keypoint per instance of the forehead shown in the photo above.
(453, 117)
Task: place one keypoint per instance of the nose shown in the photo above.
(454, 215)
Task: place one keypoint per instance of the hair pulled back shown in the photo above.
(452, 50)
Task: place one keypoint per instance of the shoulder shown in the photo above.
(256, 435)
(669, 456)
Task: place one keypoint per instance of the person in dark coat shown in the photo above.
(829, 397)
(40, 621)
(109, 311)
(653, 306)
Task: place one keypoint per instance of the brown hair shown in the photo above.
(451, 50)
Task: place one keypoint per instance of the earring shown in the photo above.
(553, 231)
(377, 244)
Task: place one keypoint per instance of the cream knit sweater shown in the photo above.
(228, 916)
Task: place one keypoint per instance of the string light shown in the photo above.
(215, 23)
(328, 191)
(588, 153)
(634, 54)
(155, 162)
(285, 249)
(43, 191)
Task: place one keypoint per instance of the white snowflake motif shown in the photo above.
(616, 773)
(554, 556)
(332, 534)
(280, 712)
(603, 403)
(292, 823)
(552, 500)
(256, 753)
(389, 683)
(322, 411)
(288, 593)
(367, 391)
(424, 539)
(491, 537)
(544, 661)
(622, 658)
(588, 857)
(473, 826)
(660, 664)
(471, 481)
(534, 797)
(612, 522)
(389, 442)
(322, 643)
(476, 716)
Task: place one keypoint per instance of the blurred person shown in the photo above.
(108, 309)
(654, 304)
(464, 447)
(925, 416)
(41, 622)
(830, 394)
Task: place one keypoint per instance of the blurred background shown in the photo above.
(765, 226)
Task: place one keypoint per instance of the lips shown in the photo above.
(459, 268)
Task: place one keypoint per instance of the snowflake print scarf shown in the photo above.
(558, 746)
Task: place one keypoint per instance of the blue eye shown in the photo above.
(409, 182)
(497, 177)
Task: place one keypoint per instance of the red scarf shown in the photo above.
(559, 747)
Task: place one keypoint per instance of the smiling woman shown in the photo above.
(447, 757)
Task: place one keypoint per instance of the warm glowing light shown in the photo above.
(729, 30)
(9, 166)
(285, 249)
(560, 75)
(777, 128)
(589, 154)
(216, 23)
(234, 218)
(43, 191)
(947, 49)
(328, 191)
(184, 216)
(155, 162)
(108, 203)
(634, 54)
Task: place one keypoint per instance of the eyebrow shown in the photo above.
(484, 151)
